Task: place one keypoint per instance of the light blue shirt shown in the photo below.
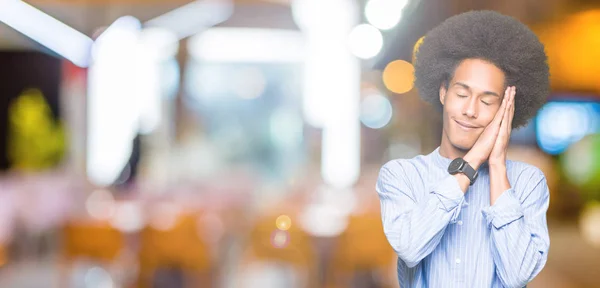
(446, 238)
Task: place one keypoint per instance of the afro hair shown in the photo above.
(487, 35)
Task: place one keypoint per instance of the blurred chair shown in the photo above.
(91, 241)
(277, 258)
(362, 256)
(96, 240)
(176, 256)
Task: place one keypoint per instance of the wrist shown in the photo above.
(497, 167)
(473, 161)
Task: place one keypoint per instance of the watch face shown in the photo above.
(455, 165)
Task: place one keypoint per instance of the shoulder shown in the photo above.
(399, 175)
(518, 169)
(405, 166)
(526, 178)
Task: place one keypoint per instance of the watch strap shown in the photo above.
(469, 172)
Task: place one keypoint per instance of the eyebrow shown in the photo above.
(491, 93)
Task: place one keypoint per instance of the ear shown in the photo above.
(443, 91)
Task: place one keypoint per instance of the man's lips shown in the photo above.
(465, 125)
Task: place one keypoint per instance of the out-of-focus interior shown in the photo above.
(236, 143)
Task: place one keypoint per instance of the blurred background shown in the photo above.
(155, 143)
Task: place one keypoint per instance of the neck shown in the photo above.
(450, 151)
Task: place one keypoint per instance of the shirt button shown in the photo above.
(457, 260)
(459, 222)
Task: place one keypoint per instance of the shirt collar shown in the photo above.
(443, 162)
(439, 160)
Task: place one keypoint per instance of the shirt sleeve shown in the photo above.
(519, 232)
(414, 221)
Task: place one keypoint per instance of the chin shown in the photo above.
(464, 146)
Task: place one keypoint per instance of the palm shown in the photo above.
(498, 154)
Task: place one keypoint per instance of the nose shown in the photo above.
(470, 108)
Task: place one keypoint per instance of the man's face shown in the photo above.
(471, 100)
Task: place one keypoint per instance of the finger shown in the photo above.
(505, 116)
(510, 113)
(507, 105)
(502, 109)
(512, 110)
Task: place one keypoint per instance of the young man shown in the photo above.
(464, 215)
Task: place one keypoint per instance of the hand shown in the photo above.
(498, 154)
(486, 142)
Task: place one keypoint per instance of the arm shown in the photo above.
(415, 221)
(519, 233)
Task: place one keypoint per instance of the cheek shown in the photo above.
(452, 108)
(487, 117)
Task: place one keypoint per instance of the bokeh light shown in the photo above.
(384, 14)
(100, 204)
(405, 146)
(280, 239)
(559, 124)
(128, 217)
(164, 216)
(581, 163)
(98, 277)
(211, 227)
(573, 50)
(283, 222)
(375, 111)
(323, 220)
(286, 128)
(365, 41)
(250, 83)
(398, 76)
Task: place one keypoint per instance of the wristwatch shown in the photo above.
(459, 165)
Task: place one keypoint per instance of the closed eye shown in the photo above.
(461, 96)
(485, 103)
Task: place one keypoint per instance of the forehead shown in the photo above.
(480, 75)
